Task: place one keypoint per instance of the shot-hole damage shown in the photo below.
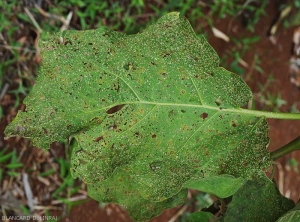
(163, 136)
(218, 101)
(98, 139)
(115, 109)
(164, 55)
(126, 67)
(234, 123)
(155, 165)
(204, 115)
(129, 66)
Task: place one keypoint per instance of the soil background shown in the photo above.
(275, 61)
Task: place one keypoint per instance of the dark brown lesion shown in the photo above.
(98, 139)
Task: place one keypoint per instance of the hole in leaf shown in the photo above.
(183, 111)
(164, 74)
(234, 124)
(129, 66)
(115, 109)
(172, 114)
(153, 136)
(218, 101)
(113, 127)
(98, 139)
(156, 165)
(204, 115)
(126, 67)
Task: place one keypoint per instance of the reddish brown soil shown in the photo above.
(275, 60)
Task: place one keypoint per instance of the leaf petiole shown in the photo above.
(271, 115)
(288, 148)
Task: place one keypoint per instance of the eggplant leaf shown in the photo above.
(149, 111)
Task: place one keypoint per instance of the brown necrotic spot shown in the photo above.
(204, 115)
(115, 109)
(98, 139)
(164, 74)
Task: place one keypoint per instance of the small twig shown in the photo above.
(48, 15)
(28, 192)
(285, 12)
(83, 192)
(4, 90)
(65, 22)
(43, 180)
(10, 48)
(243, 62)
(33, 20)
(37, 207)
(72, 199)
(182, 209)
(179, 213)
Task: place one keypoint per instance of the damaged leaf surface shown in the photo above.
(148, 111)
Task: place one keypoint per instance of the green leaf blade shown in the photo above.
(179, 116)
(221, 186)
(201, 216)
(292, 215)
(258, 200)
